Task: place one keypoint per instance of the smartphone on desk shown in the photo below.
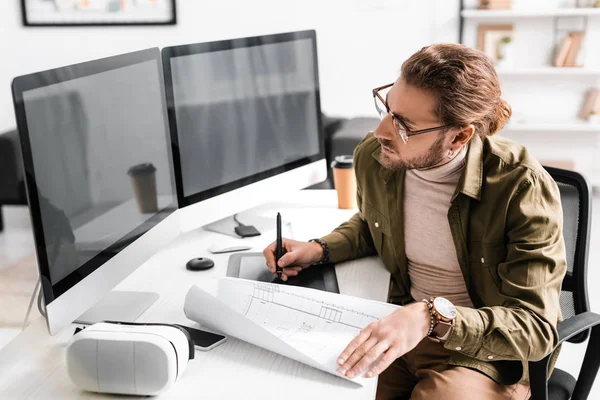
(204, 340)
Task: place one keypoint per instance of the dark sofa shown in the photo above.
(342, 135)
(12, 180)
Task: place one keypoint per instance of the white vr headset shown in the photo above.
(128, 358)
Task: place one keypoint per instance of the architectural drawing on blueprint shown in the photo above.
(307, 325)
(316, 328)
(316, 323)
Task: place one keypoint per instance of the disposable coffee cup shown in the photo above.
(143, 180)
(344, 181)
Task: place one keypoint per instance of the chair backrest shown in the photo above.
(576, 198)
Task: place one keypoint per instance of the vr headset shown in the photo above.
(128, 358)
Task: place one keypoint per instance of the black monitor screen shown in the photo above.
(97, 155)
(242, 110)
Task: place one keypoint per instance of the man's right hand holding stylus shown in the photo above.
(296, 257)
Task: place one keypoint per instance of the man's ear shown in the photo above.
(463, 136)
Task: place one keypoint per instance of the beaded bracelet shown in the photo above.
(431, 320)
(325, 258)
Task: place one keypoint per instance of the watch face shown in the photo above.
(444, 307)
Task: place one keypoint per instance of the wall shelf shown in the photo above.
(573, 127)
(540, 26)
(551, 12)
(549, 71)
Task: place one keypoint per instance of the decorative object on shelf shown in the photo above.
(561, 51)
(568, 51)
(572, 59)
(496, 42)
(98, 12)
(494, 5)
(591, 104)
(504, 53)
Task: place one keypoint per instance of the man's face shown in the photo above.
(415, 109)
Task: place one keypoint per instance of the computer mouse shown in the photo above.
(199, 264)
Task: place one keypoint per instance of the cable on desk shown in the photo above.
(237, 220)
(244, 230)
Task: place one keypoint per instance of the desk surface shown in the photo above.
(33, 364)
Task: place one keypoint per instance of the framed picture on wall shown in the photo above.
(98, 12)
(495, 41)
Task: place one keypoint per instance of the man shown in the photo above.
(470, 228)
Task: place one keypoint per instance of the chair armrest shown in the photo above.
(538, 371)
(576, 325)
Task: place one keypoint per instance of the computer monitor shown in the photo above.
(99, 178)
(245, 120)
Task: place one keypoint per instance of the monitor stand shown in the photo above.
(119, 306)
(227, 225)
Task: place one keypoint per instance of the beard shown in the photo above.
(433, 157)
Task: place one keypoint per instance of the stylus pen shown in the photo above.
(279, 249)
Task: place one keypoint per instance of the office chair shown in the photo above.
(578, 322)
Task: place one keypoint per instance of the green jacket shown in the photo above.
(506, 222)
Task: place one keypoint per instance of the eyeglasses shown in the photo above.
(402, 130)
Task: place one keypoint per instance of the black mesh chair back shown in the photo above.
(578, 321)
(576, 198)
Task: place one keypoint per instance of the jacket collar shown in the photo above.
(471, 180)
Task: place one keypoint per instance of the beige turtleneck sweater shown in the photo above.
(432, 262)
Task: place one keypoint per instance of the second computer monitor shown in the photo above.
(244, 111)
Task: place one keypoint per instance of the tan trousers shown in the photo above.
(423, 373)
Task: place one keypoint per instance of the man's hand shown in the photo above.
(390, 337)
(297, 256)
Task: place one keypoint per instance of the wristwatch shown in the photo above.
(442, 316)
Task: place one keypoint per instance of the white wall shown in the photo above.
(361, 43)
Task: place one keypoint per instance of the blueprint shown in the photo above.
(308, 325)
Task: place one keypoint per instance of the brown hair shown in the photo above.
(465, 83)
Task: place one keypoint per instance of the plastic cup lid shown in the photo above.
(344, 162)
(144, 168)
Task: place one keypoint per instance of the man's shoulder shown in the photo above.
(507, 157)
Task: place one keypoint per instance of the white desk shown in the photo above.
(33, 365)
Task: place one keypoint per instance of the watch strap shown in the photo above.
(441, 329)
